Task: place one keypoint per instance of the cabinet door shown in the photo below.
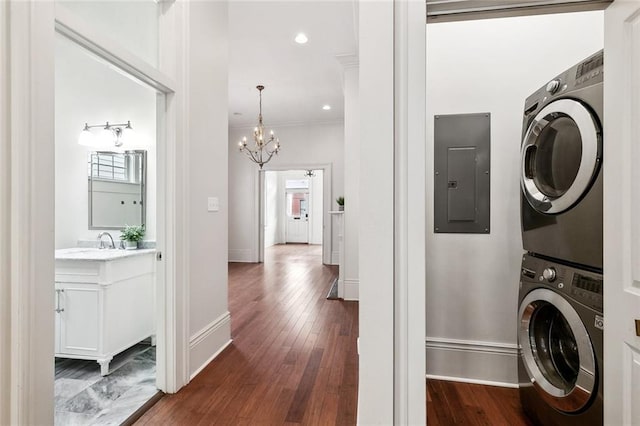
(79, 319)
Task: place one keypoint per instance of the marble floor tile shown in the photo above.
(65, 389)
(126, 405)
(82, 395)
(66, 418)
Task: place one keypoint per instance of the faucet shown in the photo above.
(102, 234)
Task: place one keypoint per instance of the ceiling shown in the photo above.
(298, 79)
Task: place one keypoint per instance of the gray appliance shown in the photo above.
(561, 161)
(560, 338)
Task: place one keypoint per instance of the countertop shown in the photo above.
(86, 253)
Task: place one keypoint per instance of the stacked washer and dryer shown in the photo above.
(560, 319)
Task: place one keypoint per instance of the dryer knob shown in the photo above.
(553, 86)
(549, 274)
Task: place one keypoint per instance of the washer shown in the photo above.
(561, 158)
(560, 327)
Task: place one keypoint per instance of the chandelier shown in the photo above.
(263, 148)
(310, 173)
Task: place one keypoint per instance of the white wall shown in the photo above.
(89, 91)
(209, 324)
(301, 146)
(472, 280)
(132, 23)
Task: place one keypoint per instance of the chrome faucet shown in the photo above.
(102, 234)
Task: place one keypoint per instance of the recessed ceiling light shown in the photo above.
(301, 38)
(326, 107)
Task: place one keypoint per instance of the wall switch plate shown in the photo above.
(213, 204)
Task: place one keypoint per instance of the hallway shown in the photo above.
(293, 359)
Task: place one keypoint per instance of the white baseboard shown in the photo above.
(351, 291)
(241, 255)
(206, 344)
(335, 257)
(472, 361)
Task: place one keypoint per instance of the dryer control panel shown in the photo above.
(583, 286)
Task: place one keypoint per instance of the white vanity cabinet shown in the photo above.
(104, 303)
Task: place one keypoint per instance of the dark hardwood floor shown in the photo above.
(452, 403)
(293, 359)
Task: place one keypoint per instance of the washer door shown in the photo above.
(556, 350)
(560, 156)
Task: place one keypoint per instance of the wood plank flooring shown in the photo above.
(293, 359)
(452, 403)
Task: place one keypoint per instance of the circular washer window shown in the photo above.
(556, 350)
(560, 156)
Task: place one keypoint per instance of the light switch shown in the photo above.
(213, 204)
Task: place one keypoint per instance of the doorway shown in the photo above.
(291, 208)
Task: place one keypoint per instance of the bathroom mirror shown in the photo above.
(117, 189)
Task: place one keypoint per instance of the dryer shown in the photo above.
(561, 162)
(560, 335)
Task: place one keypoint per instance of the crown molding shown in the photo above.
(349, 60)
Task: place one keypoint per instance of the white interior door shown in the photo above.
(622, 213)
(297, 213)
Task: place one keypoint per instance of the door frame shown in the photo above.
(258, 211)
(28, 218)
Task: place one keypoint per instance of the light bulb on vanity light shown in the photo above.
(128, 136)
(106, 137)
(86, 138)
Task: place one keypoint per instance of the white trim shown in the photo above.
(31, 236)
(351, 292)
(206, 331)
(472, 361)
(241, 255)
(410, 160)
(335, 257)
(213, 338)
(474, 381)
(111, 51)
(5, 217)
(349, 60)
(472, 345)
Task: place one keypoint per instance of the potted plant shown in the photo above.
(131, 235)
(340, 202)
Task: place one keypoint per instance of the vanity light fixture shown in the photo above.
(111, 135)
(263, 148)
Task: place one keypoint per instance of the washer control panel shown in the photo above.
(583, 286)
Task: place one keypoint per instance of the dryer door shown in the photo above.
(556, 350)
(560, 156)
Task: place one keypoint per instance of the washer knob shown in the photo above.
(553, 86)
(549, 274)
